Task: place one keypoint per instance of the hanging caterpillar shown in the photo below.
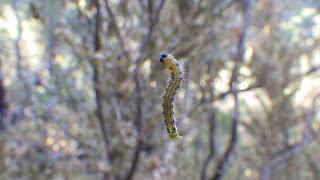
(174, 84)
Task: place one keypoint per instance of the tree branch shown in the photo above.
(153, 20)
(212, 125)
(99, 97)
(221, 166)
(3, 101)
(138, 85)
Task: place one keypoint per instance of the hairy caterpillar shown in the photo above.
(174, 84)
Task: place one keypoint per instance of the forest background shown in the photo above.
(81, 89)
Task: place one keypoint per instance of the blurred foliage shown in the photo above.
(74, 73)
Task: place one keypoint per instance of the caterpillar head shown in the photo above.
(166, 58)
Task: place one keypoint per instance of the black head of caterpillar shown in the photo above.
(163, 55)
(174, 84)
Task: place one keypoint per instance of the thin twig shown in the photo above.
(220, 97)
(17, 46)
(310, 71)
(225, 94)
(118, 32)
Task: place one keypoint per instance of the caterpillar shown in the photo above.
(174, 84)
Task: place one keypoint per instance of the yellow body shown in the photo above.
(176, 77)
